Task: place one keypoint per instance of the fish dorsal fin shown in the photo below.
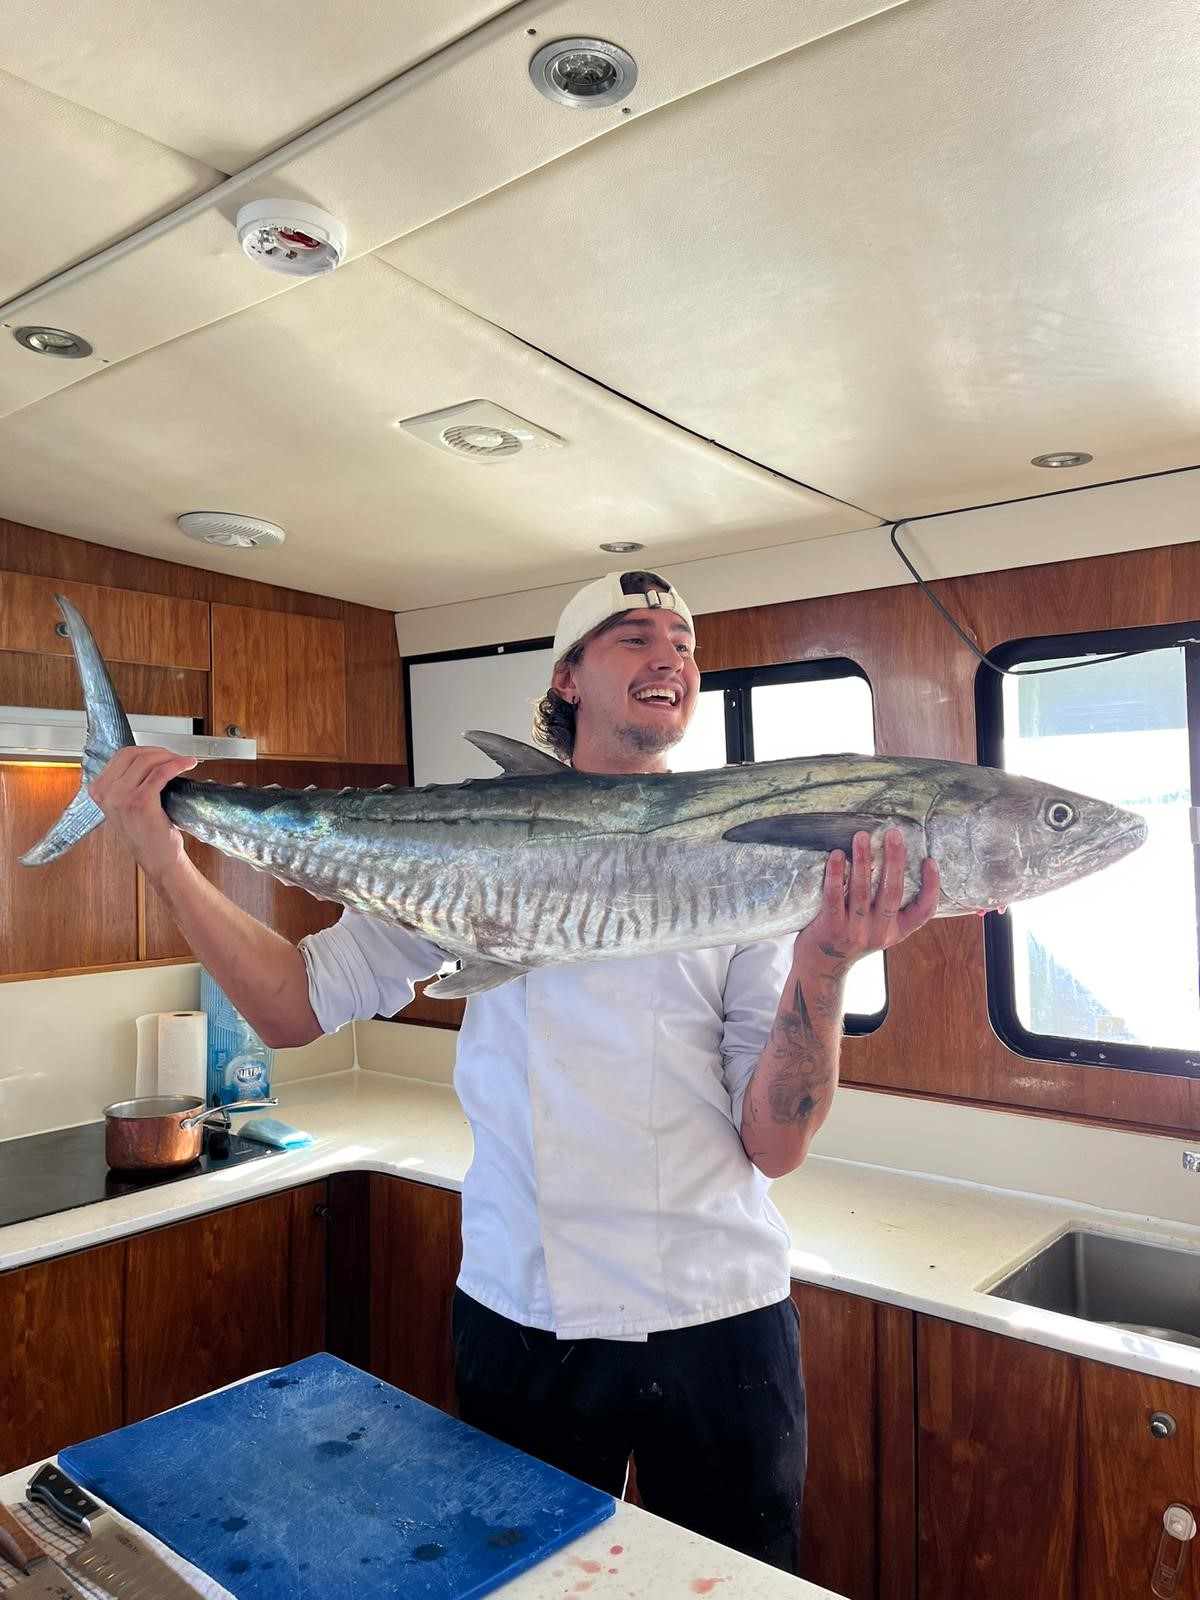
(813, 830)
(516, 760)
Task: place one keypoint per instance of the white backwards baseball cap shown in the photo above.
(608, 597)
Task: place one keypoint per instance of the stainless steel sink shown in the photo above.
(1149, 1289)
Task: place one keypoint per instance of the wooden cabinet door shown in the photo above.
(155, 630)
(416, 1251)
(281, 679)
(859, 1513)
(997, 1466)
(77, 912)
(225, 1295)
(1130, 1477)
(60, 1357)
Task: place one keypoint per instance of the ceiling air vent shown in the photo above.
(480, 431)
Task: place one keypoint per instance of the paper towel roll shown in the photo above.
(182, 1038)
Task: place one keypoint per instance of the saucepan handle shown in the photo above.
(198, 1117)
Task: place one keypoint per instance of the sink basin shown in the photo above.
(1149, 1289)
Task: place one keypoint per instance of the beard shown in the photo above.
(648, 741)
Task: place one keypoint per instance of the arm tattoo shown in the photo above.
(803, 1068)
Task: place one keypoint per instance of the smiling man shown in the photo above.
(624, 1287)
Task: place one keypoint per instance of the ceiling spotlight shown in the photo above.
(53, 342)
(583, 72)
(620, 549)
(1062, 458)
(229, 530)
(291, 237)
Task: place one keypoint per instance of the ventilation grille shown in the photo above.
(480, 431)
(230, 530)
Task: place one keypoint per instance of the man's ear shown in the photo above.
(563, 681)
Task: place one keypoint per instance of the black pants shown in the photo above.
(713, 1416)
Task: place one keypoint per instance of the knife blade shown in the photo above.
(114, 1558)
(44, 1579)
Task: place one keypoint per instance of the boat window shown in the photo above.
(1103, 972)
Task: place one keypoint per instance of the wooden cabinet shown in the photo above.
(129, 625)
(1038, 1472)
(1129, 1475)
(281, 679)
(215, 1299)
(859, 1493)
(60, 1357)
(415, 1252)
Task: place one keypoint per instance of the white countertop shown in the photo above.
(632, 1556)
(925, 1243)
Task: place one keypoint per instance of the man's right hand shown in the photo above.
(129, 792)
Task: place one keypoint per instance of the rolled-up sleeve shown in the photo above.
(753, 985)
(362, 968)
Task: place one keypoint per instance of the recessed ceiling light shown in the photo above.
(622, 549)
(479, 430)
(291, 237)
(230, 530)
(583, 72)
(53, 342)
(1062, 458)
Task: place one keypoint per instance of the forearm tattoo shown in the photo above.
(804, 1055)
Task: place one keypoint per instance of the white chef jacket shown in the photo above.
(610, 1195)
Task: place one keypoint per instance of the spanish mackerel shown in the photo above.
(545, 865)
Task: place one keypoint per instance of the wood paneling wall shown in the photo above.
(937, 1038)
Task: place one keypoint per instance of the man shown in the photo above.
(625, 1286)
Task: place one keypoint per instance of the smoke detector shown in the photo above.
(291, 237)
(583, 72)
(230, 530)
(480, 431)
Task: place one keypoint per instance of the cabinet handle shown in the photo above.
(62, 630)
(1179, 1529)
(322, 1211)
(1163, 1425)
(233, 731)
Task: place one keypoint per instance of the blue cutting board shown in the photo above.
(319, 1480)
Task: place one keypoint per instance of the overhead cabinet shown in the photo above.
(279, 678)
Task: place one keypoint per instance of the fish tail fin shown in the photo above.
(108, 731)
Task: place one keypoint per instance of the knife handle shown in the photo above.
(51, 1486)
(17, 1543)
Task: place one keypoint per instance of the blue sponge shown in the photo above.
(269, 1130)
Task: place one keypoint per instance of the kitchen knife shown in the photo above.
(114, 1558)
(44, 1579)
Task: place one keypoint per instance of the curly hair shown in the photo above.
(554, 717)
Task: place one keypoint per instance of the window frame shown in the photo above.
(736, 684)
(999, 953)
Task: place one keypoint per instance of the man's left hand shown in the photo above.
(850, 924)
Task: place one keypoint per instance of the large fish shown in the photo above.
(545, 865)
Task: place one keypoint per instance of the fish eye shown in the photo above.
(1059, 815)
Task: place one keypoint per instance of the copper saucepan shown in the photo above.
(158, 1131)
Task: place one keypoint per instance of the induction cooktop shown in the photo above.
(50, 1172)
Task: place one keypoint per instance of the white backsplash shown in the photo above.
(68, 1045)
(1108, 1168)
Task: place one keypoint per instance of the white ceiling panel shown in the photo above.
(225, 81)
(896, 264)
(288, 411)
(72, 182)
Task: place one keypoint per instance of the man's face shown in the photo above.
(635, 688)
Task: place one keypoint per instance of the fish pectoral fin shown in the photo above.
(516, 760)
(475, 975)
(813, 830)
